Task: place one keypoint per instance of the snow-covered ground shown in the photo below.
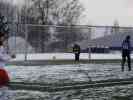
(70, 73)
(67, 73)
(66, 56)
(106, 93)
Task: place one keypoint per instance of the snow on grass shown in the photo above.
(65, 56)
(67, 73)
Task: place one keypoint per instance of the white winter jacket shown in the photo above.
(4, 57)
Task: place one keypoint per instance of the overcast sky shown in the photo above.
(105, 12)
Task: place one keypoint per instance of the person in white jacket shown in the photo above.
(4, 77)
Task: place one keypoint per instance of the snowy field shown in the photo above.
(72, 73)
(67, 73)
(66, 56)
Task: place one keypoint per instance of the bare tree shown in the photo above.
(67, 14)
(58, 12)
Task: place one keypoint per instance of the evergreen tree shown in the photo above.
(4, 29)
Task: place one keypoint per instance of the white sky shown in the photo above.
(18, 1)
(105, 12)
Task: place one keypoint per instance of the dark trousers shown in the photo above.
(126, 54)
(77, 56)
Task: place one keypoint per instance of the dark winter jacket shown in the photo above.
(76, 49)
(126, 45)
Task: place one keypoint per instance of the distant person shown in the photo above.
(126, 50)
(4, 78)
(76, 51)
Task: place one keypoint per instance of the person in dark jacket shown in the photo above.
(126, 50)
(76, 51)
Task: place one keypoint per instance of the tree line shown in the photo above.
(46, 12)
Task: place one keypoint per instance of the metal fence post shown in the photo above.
(89, 40)
(16, 39)
(26, 45)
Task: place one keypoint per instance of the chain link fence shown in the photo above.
(31, 38)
